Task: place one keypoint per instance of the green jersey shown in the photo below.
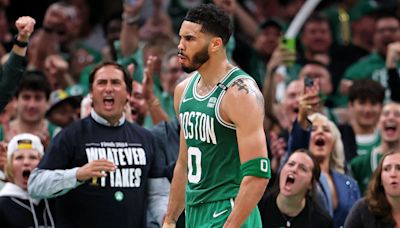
(363, 166)
(366, 143)
(372, 67)
(213, 155)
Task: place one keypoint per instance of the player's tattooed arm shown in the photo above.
(249, 87)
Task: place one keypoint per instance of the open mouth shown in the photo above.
(26, 173)
(108, 101)
(320, 142)
(390, 128)
(290, 179)
(296, 110)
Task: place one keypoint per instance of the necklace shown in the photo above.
(287, 220)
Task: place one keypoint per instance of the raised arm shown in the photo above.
(243, 105)
(13, 69)
(130, 30)
(25, 26)
(157, 113)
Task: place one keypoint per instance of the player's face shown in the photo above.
(296, 175)
(109, 93)
(390, 175)
(23, 162)
(193, 46)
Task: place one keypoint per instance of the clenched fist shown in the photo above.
(25, 26)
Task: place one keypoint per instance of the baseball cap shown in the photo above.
(362, 9)
(24, 141)
(72, 95)
(272, 22)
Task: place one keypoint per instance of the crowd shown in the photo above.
(89, 135)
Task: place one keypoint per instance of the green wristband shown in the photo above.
(258, 167)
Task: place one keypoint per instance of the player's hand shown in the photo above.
(25, 26)
(96, 168)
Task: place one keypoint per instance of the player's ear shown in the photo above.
(216, 44)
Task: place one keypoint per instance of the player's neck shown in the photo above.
(214, 70)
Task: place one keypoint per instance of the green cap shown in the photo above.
(362, 9)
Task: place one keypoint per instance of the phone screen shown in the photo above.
(308, 82)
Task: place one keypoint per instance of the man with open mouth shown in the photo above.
(363, 166)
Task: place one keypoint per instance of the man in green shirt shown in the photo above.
(363, 166)
(387, 30)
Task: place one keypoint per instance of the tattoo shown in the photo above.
(250, 88)
(241, 85)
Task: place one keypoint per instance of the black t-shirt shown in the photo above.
(311, 216)
(118, 200)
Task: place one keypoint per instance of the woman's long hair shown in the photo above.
(376, 197)
(336, 161)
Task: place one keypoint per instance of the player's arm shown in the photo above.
(243, 105)
(176, 202)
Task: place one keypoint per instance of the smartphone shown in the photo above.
(290, 45)
(308, 82)
(130, 2)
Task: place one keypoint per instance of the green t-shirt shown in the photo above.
(365, 144)
(363, 166)
(372, 67)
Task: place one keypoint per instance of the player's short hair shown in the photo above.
(213, 19)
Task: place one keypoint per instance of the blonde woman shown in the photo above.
(337, 191)
(17, 209)
(341, 190)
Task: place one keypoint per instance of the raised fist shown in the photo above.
(25, 26)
